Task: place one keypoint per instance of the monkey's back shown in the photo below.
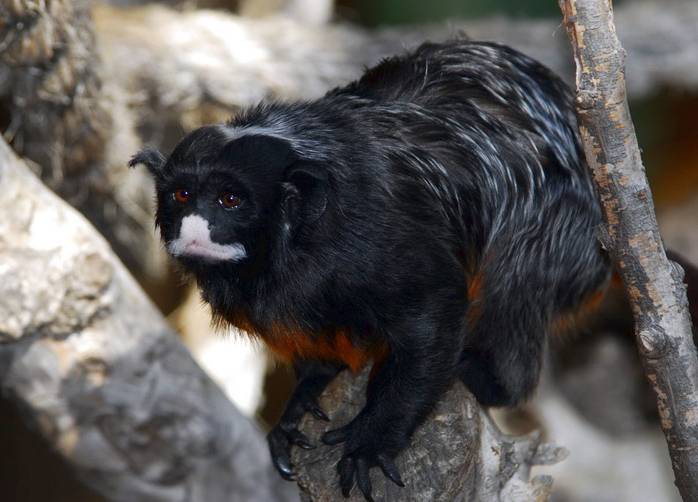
(489, 136)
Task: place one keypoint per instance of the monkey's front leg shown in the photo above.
(312, 378)
(399, 397)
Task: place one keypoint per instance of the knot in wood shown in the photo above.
(653, 341)
(585, 99)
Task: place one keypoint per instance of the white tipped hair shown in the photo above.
(195, 241)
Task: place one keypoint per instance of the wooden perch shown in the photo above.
(102, 378)
(654, 284)
(458, 454)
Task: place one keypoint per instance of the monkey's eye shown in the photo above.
(181, 195)
(229, 200)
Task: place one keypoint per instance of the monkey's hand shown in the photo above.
(312, 380)
(364, 448)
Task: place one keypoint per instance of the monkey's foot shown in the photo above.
(361, 452)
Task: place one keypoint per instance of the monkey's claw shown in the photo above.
(357, 467)
(389, 469)
(358, 459)
(280, 439)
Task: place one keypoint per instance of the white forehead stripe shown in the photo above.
(195, 240)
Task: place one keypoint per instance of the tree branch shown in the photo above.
(654, 284)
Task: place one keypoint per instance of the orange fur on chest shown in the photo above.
(335, 345)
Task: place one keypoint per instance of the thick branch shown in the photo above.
(654, 284)
(458, 454)
(91, 361)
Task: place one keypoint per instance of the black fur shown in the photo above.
(438, 207)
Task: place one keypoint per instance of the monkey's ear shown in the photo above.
(306, 187)
(151, 158)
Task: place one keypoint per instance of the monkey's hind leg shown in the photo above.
(504, 344)
(312, 378)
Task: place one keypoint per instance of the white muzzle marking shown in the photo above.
(195, 241)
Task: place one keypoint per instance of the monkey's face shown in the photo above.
(206, 216)
(223, 195)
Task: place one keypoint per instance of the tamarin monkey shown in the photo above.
(435, 218)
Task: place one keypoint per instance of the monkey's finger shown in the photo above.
(346, 468)
(279, 450)
(336, 436)
(388, 467)
(363, 479)
(299, 439)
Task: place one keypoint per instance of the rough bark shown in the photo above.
(93, 365)
(654, 284)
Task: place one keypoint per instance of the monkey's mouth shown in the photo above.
(206, 251)
(194, 242)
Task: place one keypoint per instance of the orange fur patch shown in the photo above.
(475, 287)
(288, 343)
(475, 307)
(567, 321)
